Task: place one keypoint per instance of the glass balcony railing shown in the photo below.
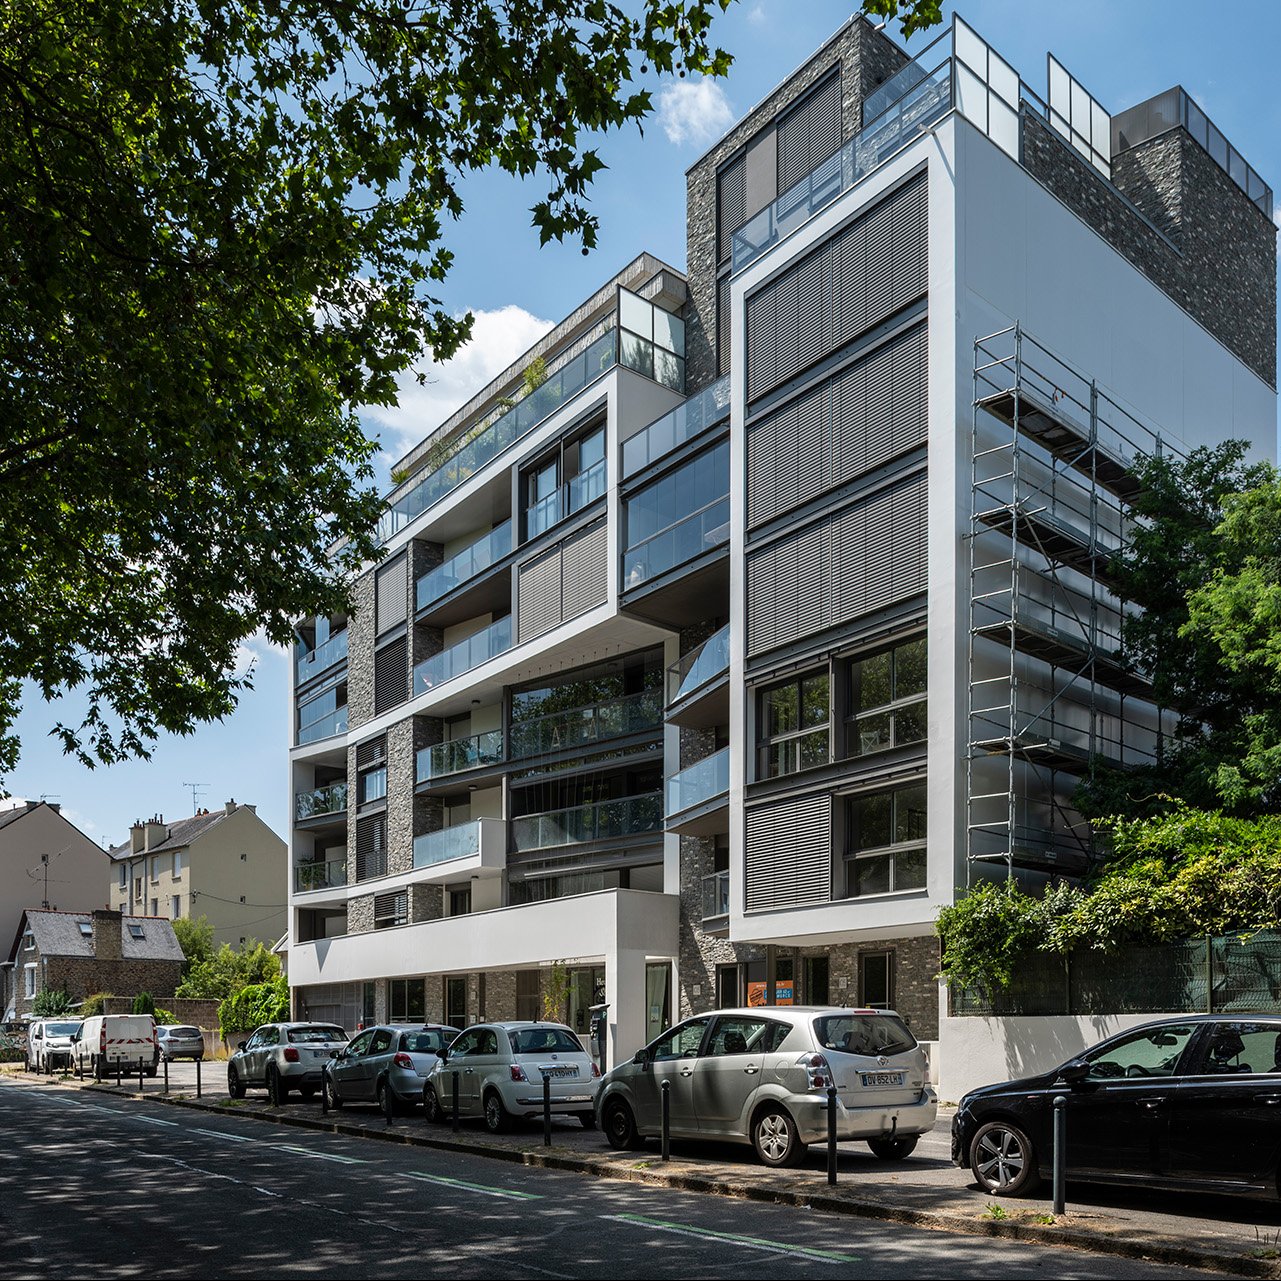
(716, 895)
(675, 545)
(697, 784)
(460, 754)
(580, 824)
(562, 386)
(321, 800)
(463, 567)
(683, 423)
(542, 515)
(323, 657)
(449, 843)
(695, 669)
(590, 724)
(583, 489)
(324, 727)
(320, 876)
(487, 643)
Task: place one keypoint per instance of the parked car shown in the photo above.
(500, 1069)
(280, 1057)
(107, 1039)
(393, 1056)
(760, 1076)
(49, 1043)
(1187, 1102)
(180, 1042)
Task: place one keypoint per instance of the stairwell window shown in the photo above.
(887, 699)
(886, 850)
(794, 721)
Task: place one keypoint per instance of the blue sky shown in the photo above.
(1123, 53)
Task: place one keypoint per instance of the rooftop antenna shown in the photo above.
(197, 790)
(51, 796)
(44, 867)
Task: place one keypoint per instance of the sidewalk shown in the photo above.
(1224, 1234)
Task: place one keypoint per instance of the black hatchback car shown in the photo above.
(1192, 1102)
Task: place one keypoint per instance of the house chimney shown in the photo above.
(137, 836)
(230, 807)
(154, 832)
(107, 927)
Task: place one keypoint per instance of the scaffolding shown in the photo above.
(1052, 693)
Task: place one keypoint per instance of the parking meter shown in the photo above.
(598, 1033)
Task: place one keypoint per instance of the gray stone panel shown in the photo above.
(360, 652)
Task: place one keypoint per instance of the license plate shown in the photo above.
(557, 1069)
(882, 1078)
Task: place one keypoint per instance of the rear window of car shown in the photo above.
(311, 1035)
(544, 1040)
(423, 1042)
(183, 1031)
(61, 1029)
(866, 1034)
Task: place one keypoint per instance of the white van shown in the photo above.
(107, 1039)
(49, 1042)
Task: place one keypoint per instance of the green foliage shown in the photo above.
(254, 1005)
(226, 971)
(144, 1003)
(95, 1004)
(166, 1017)
(555, 991)
(535, 375)
(915, 15)
(51, 1002)
(222, 234)
(195, 937)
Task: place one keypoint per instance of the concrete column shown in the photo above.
(625, 992)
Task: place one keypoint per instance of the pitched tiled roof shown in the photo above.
(59, 934)
(179, 834)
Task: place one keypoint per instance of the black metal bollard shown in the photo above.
(388, 1102)
(1060, 1153)
(166, 1063)
(547, 1110)
(666, 1089)
(831, 1134)
(119, 1081)
(454, 1089)
(198, 1062)
(324, 1095)
(140, 1090)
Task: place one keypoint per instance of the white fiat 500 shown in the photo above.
(761, 1076)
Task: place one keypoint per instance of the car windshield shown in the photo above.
(61, 1029)
(427, 1042)
(310, 1035)
(866, 1034)
(544, 1040)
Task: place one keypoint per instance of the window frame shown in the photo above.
(853, 855)
(767, 742)
(891, 978)
(896, 704)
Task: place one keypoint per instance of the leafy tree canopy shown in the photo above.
(51, 1002)
(195, 937)
(252, 1006)
(226, 971)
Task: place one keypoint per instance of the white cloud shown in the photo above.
(498, 338)
(756, 14)
(694, 111)
(77, 819)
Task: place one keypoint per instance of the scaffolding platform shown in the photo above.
(1043, 750)
(1033, 858)
(1054, 538)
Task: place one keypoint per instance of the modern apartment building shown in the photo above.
(707, 671)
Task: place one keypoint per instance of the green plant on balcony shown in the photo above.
(535, 375)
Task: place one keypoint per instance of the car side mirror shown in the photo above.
(75, 1036)
(1074, 1070)
(240, 1045)
(641, 1056)
(443, 1053)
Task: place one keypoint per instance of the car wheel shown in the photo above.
(893, 1149)
(775, 1138)
(587, 1120)
(431, 1106)
(277, 1090)
(235, 1086)
(497, 1118)
(332, 1100)
(385, 1095)
(1003, 1160)
(620, 1126)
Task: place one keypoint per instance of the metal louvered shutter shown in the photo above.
(391, 675)
(788, 854)
(810, 132)
(371, 753)
(787, 589)
(391, 909)
(371, 846)
(538, 596)
(731, 204)
(787, 456)
(391, 594)
(585, 571)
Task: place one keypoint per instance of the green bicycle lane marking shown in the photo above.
(731, 1238)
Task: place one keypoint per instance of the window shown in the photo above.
(459, 900)
(465, 1044)
(86, 929)
(794, 726)
(1238, 1048)
(29, 980)
(817, 982)
(876, 980)
(175, 906)
(887, 700)
(886, 841)
(409, 1001)
(29, 941)
(381, 1042)
(155, 906)
(373, 785)
(681, 1042)
(1155, 1051)
(371, 846)
(528, 996)
(742, 1034)
(177, 864)
(727, 986)
(124, 876)
(137, 887)
(391, 909)
(359, 1045)
(564, 481)
(136, 930)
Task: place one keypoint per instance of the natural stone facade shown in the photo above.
(360, 652)
(360, 914)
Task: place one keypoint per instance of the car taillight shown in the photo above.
(291, 1054)
(595, 1070)
(817, 1071)
(518, 1073)
(403, 1061)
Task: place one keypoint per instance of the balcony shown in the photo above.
(579, 492)
(323, 727)
(466, 565)
(309, 665)
(581, 726)
(703, 531)
(673, 429)
(309, 877)
(716, 896)
(582, 824)
(478, 846)
(697, 795)
(487, 643)
(321, 801)
(459, 754)
(697, 687)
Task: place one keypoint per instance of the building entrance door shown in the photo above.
(456, 1002)
(586, 988)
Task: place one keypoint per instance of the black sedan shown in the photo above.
(1192, 1102)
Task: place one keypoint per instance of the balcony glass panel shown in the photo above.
(487, 643)
(683, 541)
(324, 726)
(321, 800)
(699, 783)
(464, 566)
(716, 895)
(561, 386)
(545, 513)
(683, 423)
(586, 487)
(583, 823)
(320, 876)
(315, 661)
(460, 754)
(695, 669)
(580, 725)
(449, 843)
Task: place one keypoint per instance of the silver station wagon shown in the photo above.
(760, 1076)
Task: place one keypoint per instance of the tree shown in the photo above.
(144, 1003)
(195, 937)
(51, 1002)
(252, 1006)
(226, 971)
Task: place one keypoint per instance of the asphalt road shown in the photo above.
(92, 1185)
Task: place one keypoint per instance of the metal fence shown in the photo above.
(1225, 975)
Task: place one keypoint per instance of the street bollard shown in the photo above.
(667, 1120)
(140, 1090)
(547, 1110)
(166, 1063)
(198, 1063)
(388, 1102)
(324, 1095)
(831, 1134)
(119, 1081)
(1060, 1153)
(454, 1089)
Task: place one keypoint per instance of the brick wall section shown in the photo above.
(360, 652)
(1223, 271)
(423, 641)
(500, 995)
(360, 914)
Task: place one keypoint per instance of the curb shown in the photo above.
(939, 1220)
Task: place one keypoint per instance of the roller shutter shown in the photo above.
(538, 595)
(788, 854)
(584, 572)
(392, 593)
(809, 133)
(391, 675)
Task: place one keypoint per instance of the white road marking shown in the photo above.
(507, 1194)
(209, 1174)
(319, 1156)
(729, 1238)
(152, 1120)
(222, 1134)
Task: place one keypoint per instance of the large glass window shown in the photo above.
(887, 699)
(408, 1000)
(887, 841)
(565, 481)
(794, 725)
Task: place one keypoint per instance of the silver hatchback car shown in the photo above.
(179, 1042)
(392, 1057)
(760, 1076)
(284, 1056)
